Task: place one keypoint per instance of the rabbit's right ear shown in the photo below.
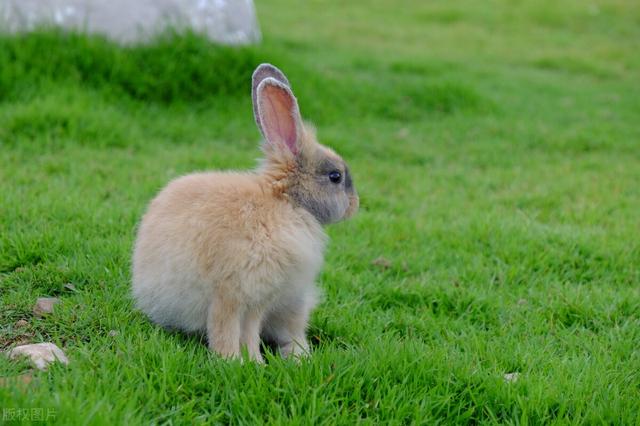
(264, 71)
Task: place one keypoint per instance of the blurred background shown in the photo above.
(495, 147)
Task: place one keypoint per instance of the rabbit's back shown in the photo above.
(220, 232)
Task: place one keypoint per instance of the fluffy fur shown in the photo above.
(235, 255)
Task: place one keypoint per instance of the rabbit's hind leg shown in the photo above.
(286, 324)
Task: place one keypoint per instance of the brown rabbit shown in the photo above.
(236, 254)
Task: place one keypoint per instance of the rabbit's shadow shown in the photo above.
(317, 337)
(267, 346)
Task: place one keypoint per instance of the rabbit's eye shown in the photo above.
(335, 176)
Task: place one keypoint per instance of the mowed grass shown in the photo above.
(496, 149)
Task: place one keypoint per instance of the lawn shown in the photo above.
(496, 149)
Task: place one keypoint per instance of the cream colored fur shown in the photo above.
(226, 235)
(229, 254)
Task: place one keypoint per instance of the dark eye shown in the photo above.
(335, 176)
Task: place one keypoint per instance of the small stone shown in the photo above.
(403, 133)
(522, 302)
(44, 306)
(382, 262)
(71, 287)
(40, 354)
(113, 333)
(511, 377)
(21, 323)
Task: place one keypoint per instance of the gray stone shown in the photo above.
(40, 354)
(44, 306)
(223, 21)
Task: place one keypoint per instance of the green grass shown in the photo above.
(496, 149)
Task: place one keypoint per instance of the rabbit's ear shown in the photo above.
(278, 114)
(263, 71)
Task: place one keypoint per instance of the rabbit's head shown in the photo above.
(311, 175)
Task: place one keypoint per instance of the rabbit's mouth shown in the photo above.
(354, 204)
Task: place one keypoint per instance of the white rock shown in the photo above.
(511, 377)
(71, 287)
(224, 21)
(40, 354)
(44, 305)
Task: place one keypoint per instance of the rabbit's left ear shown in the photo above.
(278, 115)
(263, 71)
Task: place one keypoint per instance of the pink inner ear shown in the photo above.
(278, 114)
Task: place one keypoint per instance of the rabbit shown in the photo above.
(234, 255)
